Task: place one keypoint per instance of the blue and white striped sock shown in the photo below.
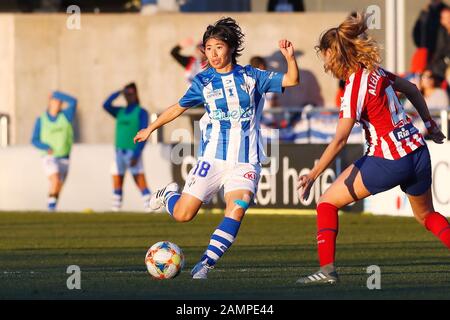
(52, 201)
(171, 199)
(117, 199)
(221, 240)
(146, 196)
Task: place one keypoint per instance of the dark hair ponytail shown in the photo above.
(228, 31)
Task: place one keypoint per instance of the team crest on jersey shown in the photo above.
(215, 94)
(251, 175)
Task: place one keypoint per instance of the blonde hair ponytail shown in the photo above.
(350, 46)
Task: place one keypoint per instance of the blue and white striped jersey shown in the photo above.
(231, 131)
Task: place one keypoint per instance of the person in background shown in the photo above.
(441, 58)
(340, 93)
(275, 120)
(435, 96)
(430, 87)
(148, 7)
(270, 98)
(426, 27)
(285, 6)
(53, 135)
(192, 64)
(129, 120)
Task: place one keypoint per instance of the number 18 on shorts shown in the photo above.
(207, 177)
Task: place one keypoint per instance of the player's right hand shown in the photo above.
(142, 135)
(286, 48)
(304, 185)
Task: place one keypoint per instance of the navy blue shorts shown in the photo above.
(412, 172)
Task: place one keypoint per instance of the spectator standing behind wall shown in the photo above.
(280, 121)
(339, 93)
(285, 6)
(425, 34)
(435, 97)
(53, 135)
(192, 64)
(441, 58)
(430, 87)
(149, 7)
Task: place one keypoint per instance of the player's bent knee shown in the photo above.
(183, 215)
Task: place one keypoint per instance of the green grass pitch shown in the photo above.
(270, 253)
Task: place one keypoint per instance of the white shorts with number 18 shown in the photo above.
(207, 177)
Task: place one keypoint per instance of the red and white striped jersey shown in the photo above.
(370, 99)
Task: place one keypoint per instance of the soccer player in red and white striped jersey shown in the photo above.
(397, 154)
(370, 99)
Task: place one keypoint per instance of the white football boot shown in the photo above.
(157, 200)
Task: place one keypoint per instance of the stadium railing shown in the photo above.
(311, 125)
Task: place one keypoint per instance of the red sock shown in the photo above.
(327, 230)
(436, 223)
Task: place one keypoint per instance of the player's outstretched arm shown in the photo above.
(413, 94)
(343, 130)
(167, 116)
(291, 77)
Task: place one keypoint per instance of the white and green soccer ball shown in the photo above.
(164, 260)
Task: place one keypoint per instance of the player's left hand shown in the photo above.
(434, 132)
(286, 48)
(304, 186)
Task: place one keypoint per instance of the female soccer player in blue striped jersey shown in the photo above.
(231, 150)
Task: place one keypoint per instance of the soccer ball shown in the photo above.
(164, 260)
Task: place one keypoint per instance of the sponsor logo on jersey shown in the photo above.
(220, 115)
(405, 132)
(251, 175)
(215, 94)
